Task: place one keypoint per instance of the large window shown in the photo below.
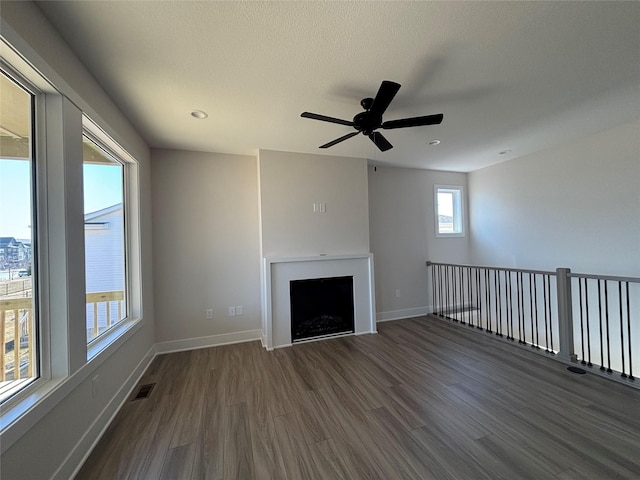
(449, 211)
(19, 359)
(105, 238)
(62, 309)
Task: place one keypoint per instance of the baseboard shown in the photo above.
(74, 461)
(209, 341)
(404, 313)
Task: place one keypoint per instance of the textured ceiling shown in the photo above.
(519, 76)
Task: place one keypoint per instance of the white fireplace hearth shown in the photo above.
(279, 272)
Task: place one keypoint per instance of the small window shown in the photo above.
(105, 238)
(449, 211)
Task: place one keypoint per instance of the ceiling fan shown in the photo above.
(370, 120)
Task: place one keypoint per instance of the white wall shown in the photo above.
(290, 183)
(52, 439)
(206, 244)
(402, 228)
(575, 206)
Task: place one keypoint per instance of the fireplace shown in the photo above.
(321, 307)
(279, 274)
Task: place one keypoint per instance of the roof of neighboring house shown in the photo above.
(8, 241)
(91, 216)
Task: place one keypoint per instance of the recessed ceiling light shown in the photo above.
(199, 114)
(434, 142)
(504, 152)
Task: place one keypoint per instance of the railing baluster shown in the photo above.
(545, 286)
(510, 335)
(2, 345)
(606, 316)
(467, 298)
(434, 298)
(586, 301)
(531, 298)
(507, 328)
(496, 287)
(460, 297)
(30, 344)
(550, 316)
(447, 290)
(452, 303)
(584, 362)
(629, 333)
(624, 373)
(456, 303)
(95, 319)
(440, 299)
(522, 335)
(16, 345)
(479, 298)
(462, 307)
(440, 290)
(535, 293)
(488, 298)
(469, 292)
(601, 334)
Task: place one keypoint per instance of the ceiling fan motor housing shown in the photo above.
(367, 122)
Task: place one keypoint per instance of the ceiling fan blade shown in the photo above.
(413, 122)
(324, 118)
(338, 140)
(381, 142)
(385, 94)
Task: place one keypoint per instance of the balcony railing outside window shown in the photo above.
(17, 339)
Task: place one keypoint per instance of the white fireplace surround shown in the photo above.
(279, 272)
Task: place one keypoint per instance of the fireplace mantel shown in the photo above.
(279, 271)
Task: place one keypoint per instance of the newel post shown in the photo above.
(565, 314)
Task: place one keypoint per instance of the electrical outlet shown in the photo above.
(239, 310)
(397, 293)
(232, 311)
(209, 313)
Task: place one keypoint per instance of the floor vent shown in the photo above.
(144, 391)
(577, 370)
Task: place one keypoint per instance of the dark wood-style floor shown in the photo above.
(422, 399)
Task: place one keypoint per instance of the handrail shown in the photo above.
(502, 269)
(22, 303)
(604, 277)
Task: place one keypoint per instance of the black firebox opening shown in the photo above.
(321, 306)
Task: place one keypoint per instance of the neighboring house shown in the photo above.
(104, 252)
(14, 253)
(104, 257)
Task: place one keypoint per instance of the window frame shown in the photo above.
(458, 210)
(131, 228)
(37, 120)
(25, 398)
(122, 163)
